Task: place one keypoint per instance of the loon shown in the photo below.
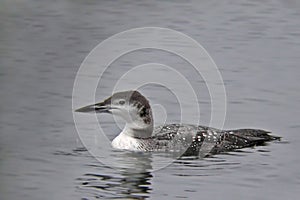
(139, 133)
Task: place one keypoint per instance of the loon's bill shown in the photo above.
(140, 135)
(99, 107)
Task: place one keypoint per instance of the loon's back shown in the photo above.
(196, 139)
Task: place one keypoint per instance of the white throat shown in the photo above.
(132, 135)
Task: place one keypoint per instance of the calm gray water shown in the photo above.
(255, 44)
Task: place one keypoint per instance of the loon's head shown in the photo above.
(132, 106)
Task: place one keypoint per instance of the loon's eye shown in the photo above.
(122, 102)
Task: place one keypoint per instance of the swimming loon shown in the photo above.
(140, 135)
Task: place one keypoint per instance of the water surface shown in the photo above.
(42, 43)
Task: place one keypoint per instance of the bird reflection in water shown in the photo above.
(130, 181)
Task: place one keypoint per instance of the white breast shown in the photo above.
(123, 141)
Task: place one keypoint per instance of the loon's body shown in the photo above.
(140, 135)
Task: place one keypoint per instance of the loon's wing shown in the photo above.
(241, 138)
(185, 138)
(176, 137)
(205, 141)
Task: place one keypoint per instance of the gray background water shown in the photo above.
(255, 44)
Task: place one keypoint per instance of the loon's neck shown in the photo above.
(132, 136)
(138, 131)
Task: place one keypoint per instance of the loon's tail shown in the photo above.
(254, 136)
